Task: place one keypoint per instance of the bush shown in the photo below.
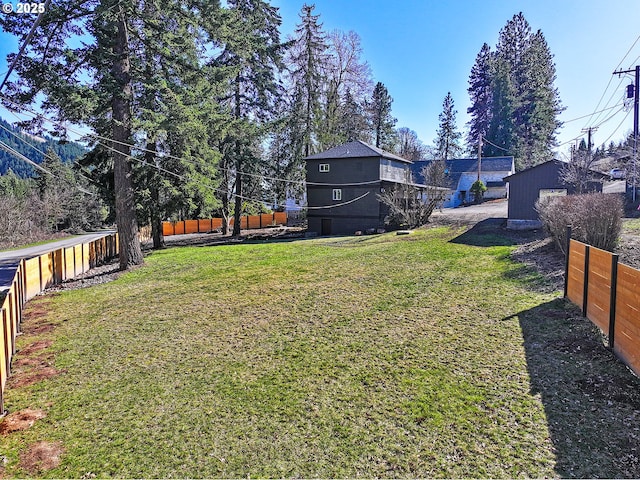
(595, 219)
(478, 188)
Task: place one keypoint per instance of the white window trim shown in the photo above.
(337, 194)
(323, 167)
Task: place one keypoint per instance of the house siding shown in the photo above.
(344, 219)
(525, 186)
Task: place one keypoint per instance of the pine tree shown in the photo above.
(253, 55)
(448, 140)
(308, 60)
(87, 84)
(353, 119)
(381, 121)
(514, 102)
(481, 94)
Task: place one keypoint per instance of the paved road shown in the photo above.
(9, 260)
(474, 213)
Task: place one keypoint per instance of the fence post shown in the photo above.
(566, 262)
(612, 301)
(585, 291)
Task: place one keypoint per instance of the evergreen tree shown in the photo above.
(88, 84)
(353, 119)
(448, 140)
(481, 94)
(381, 121)
(308, 60)
(253, 55)
(514, 102)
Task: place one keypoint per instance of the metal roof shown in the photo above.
(355, 149)
(457, 166)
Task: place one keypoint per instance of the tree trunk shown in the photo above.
(238, 197)
(238, 203)
(130, 251)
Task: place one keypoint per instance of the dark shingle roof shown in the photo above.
(457, 166)
(355, 149)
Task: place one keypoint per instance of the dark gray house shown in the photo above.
(528, 186)
(463, 172)
(342, 187)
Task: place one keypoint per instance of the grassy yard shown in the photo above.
(383, 356)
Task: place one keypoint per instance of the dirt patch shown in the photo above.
(24, 379)
(41, 456)
(21, 420)
(36, 347)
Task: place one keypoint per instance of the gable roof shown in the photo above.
(457, 166)
(558, 163)
(355, 149)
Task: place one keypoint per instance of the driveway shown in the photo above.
(473, 213)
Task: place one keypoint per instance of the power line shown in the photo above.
(44, 154)
(493, 144)
(25, 43)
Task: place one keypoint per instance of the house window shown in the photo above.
(337, 194)
(324, 167)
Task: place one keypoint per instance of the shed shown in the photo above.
(527, 186)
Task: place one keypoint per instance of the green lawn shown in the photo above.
(382, 356)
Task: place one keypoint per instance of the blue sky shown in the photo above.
(422, 49)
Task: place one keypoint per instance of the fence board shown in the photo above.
(204, 225)
(179, 228)
(86, 258)
(167, 229)
(253, 222)
(77, 252)
(600, 282)
(280, 218)
(190, 226)
(69, 263)
(627, 327)
(32, 277)
(46, 266)
(575, 286)
(267, 219)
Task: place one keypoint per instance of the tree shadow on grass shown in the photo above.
(591, 399)
(487, 233)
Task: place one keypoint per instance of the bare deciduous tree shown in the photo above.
(411, 205)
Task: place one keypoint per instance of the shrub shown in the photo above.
(478, 188)
(595, 219)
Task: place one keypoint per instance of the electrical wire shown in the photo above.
(25, 43)
(182, 159)
(611, 80)
(493, 144)
(46, 155)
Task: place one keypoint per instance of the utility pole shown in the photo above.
(479, 155)
(636, 94)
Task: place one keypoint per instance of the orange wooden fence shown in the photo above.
(609, 294)
(32, 277)
(247, 222)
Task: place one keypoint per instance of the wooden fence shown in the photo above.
(32, 277)
(609, 294)
(247, 222)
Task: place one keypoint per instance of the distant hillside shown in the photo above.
(66, 151)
